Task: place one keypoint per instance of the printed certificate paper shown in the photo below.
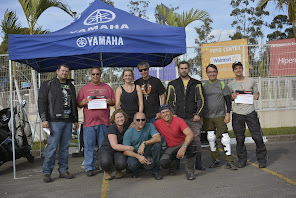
(244, 97)
(97, 103)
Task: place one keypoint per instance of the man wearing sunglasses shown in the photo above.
(152, 90)
(242, 114)
(146, 141)
(96, 118)
(179, 142)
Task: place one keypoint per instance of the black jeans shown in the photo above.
(170, 154)
(239, 127)
(110, 158)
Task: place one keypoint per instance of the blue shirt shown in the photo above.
(135, 138)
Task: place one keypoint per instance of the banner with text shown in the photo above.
(223, 54)
(283, 57)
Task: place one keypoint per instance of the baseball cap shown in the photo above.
(236, 63)
(163, 107)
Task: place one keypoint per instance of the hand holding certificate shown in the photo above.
(95, 102)
(244, 97)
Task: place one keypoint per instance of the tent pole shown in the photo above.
(11, 119)
(101, 59)
(40, 122)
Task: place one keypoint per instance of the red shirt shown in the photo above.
(93, 117)
(172, 133)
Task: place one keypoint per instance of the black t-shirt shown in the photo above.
(112, 129)
(151, 89)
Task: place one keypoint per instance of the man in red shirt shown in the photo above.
(178, 137)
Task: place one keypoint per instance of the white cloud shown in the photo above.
(222, 35)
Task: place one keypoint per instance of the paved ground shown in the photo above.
(277, 180)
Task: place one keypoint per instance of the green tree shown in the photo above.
(172, 18)
(290, 5)
(110, 2)
(34, 8)
(139, 8)
(248, 20)
(282, 28)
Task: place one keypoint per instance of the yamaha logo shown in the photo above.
(81, 42)
(99, 16)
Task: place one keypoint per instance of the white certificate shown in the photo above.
(97, 103)
(244, 98)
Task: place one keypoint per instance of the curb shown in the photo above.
(271, 138)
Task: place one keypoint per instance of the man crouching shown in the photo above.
(178, 137)
(146, 141)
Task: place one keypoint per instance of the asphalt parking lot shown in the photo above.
(277, 180)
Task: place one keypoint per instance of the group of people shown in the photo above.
(147, 116)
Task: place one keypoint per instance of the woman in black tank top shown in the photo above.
(129, 96)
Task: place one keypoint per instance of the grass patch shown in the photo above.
(270, 131)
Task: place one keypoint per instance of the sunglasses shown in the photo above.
(95, 74)
(138, 120)
(140, 70)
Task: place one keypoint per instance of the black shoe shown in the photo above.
(190, 176)
(47, 178)
(157, 176)
(66, 175)
(231, 166)
(90, 173)
(135, 175)
(173, 167)
(216, 164)
(241, 164)
(262, 165)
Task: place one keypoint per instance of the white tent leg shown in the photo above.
(11, 119)
(40, 125)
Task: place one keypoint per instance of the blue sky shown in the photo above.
(54, 19)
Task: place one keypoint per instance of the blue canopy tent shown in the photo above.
(102, 36)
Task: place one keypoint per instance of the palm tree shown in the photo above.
(34, 8)
(281, 4)
(172, 18)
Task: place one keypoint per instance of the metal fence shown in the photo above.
(276, 91)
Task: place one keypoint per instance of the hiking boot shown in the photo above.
(231, 166)
(66, 175)
(107, 175)
(90, 173)
(216, 164)
(157, 176)
(47, 178)
(190, 176)
(118, 174)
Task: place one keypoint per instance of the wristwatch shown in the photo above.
(144, 143)
(185, 146)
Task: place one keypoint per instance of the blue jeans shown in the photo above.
(153, 151)
(90, 136)
(61, 133)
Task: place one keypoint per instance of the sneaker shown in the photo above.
(107, 175)
(47, 178)
(66, 175)
(135, 175)
(190, 176)
(90, 173)
(216, 164)
(157, 176)
(230, 165)
(118, 174)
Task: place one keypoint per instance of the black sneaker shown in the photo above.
(90, 173)
(241, 164)
(216, 164)
(173, 167)
(190, 176)
(47, 178)
(157, 176)
(66, 175)
(231, 166)
(135, 175)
